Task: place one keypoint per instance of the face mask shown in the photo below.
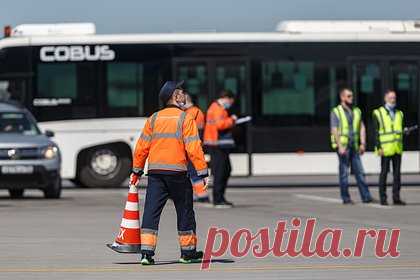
(226, 104)
(181, 101)
(181, 104)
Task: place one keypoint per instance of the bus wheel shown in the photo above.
(105, 166)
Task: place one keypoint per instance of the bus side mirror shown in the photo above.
(49, 133)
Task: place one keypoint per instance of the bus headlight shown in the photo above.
(50, 152)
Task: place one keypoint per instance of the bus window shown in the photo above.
(232, 76)
(288, 88)
(195, 75)
(124, 89)
(57, 81)
(65, 91)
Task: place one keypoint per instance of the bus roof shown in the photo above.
(287, 31)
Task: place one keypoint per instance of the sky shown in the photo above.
(140, 16)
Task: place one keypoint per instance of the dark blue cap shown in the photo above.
(168, 89)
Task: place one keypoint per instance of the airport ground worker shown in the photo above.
(199, 188)
(219, 141)
(388, 122)
(348, 138)
(169, 140)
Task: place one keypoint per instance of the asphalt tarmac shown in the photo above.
(65, 239)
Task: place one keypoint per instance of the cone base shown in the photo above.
(124, 248)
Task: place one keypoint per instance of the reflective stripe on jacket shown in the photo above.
(390, 131)
(344, 130)
(169, 138)
(217, 131)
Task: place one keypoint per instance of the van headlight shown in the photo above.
(50, 152)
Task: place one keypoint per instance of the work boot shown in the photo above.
(399, 202)
(348, 202)
(384, 202)
(147, 259)
(202, 200)
(194, 257)
(223, 205)
(228, 202)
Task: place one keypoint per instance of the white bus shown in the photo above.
(95, 91)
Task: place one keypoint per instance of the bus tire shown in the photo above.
(105, 165)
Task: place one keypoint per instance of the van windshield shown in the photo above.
(17, 123)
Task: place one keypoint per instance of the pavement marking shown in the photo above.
(336, 200)
(192, 268)
(319, 198)
(378, 206)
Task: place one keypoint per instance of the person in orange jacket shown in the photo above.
(199, 188)
(218, 139)
(169, 140)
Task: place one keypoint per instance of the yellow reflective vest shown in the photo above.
(390, 131)
(344, 129)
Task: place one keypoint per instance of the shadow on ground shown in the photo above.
(7, 197)
(177, 262)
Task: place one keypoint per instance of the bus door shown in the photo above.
(368, 84)
(403, 77)
(369, 80)
(205, 78)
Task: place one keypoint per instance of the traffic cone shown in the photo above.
(128, 238)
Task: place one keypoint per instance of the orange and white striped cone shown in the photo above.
(128, 238)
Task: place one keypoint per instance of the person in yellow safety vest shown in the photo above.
(169, 141)
(348, 139)
(199, 189)
(388, 122)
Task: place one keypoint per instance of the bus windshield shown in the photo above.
(17, 123)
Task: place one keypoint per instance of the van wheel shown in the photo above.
(105, 166)
(16, 193)
(53, 190)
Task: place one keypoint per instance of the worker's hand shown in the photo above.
(380, 152)
(234, 117)
(134, 179)
(206, 183)
(341, 151)
(362, 149)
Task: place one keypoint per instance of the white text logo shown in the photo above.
(76, 53)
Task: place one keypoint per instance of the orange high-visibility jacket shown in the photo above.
(197, 115)
(169, 138)
(218, 125)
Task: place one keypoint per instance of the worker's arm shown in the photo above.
(362, 147)
(334, 131)
(376, 127)
(193, 147)
(142, 149)
(200, 120)
(223, 121)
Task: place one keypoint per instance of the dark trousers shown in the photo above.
(351, 157)
(396, 169)
(159, 189)
(221, 169)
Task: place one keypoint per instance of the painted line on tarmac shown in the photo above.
(319, 198)
(193, 268)
(337, 201)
